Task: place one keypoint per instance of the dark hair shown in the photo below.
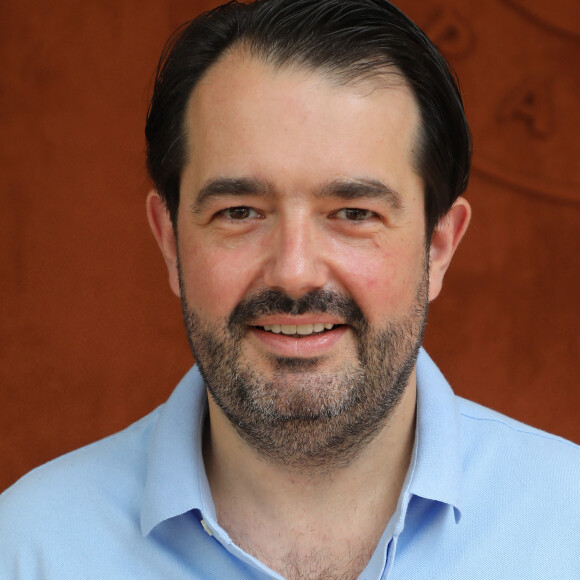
(348, 40)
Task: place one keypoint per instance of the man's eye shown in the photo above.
(354, 214)
(240, 213)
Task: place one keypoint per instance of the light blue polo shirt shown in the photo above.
(485, 497)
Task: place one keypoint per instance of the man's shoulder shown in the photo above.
(517, 491)
(503, 456)
(69, 487)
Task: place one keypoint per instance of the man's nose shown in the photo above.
(295, 265)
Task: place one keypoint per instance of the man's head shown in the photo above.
(298, 241)
(344, 40)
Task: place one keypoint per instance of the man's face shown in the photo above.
(302, 253)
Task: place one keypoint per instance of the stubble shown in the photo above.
(303, 417)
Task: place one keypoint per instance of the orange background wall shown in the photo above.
(91, 337)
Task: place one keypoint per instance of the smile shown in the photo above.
(298, 330)
(298, 340)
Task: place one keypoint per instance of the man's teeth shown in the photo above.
(301, 329)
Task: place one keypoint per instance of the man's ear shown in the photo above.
(444, 241)
(162, 228)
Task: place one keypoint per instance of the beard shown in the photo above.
(301, 416)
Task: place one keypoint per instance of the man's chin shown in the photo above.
(299, 389)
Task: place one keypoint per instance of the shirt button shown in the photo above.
(206, 528)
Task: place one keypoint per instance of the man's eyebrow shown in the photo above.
(345, 189)
(233, 186)
(353, 189)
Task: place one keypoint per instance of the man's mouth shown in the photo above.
(298, 330)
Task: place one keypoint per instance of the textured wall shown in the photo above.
(91, 337)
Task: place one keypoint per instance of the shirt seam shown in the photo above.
(525, 431)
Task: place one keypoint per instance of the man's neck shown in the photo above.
(282, 515)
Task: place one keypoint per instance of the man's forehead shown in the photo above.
(254, 81)
(248, 119)
(225, 72)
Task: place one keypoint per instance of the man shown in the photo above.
(309, 158)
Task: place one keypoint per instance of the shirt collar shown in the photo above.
(176, 481)
(436, 469)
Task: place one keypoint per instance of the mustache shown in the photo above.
(319, 301)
